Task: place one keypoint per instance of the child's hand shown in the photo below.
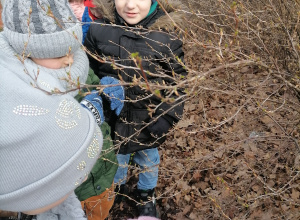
(93, 102)
(160, 127)
(115, 94)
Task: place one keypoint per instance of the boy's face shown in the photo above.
(55, 63)
(133, 11)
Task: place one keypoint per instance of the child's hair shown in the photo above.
(103, 7)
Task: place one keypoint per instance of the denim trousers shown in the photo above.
(148, 161)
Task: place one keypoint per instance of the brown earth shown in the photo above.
(235, 154)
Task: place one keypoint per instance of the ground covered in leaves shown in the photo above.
(235, 153)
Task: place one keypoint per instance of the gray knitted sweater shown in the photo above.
(48, 143)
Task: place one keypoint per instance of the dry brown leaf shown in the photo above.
(193, 216)
(250, 155)
(185, 123)
(256, 188)
(186, 209)
(183, 185)
(295, 194)
(197, 175)
(187, 198)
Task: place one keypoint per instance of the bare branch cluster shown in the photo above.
(235, 154)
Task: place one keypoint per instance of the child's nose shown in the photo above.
(130, 3)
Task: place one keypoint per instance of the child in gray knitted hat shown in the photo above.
(48, 142)
(47, 32)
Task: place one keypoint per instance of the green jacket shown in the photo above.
(102, 175)
(92, 79)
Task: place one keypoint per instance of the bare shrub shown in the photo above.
(235, 153)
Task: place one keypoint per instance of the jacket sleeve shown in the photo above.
(172, 112)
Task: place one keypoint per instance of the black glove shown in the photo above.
(161, 126)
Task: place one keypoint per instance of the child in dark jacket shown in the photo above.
(141, 28)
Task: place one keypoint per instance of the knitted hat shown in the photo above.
(48, 27)
(38, 171)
